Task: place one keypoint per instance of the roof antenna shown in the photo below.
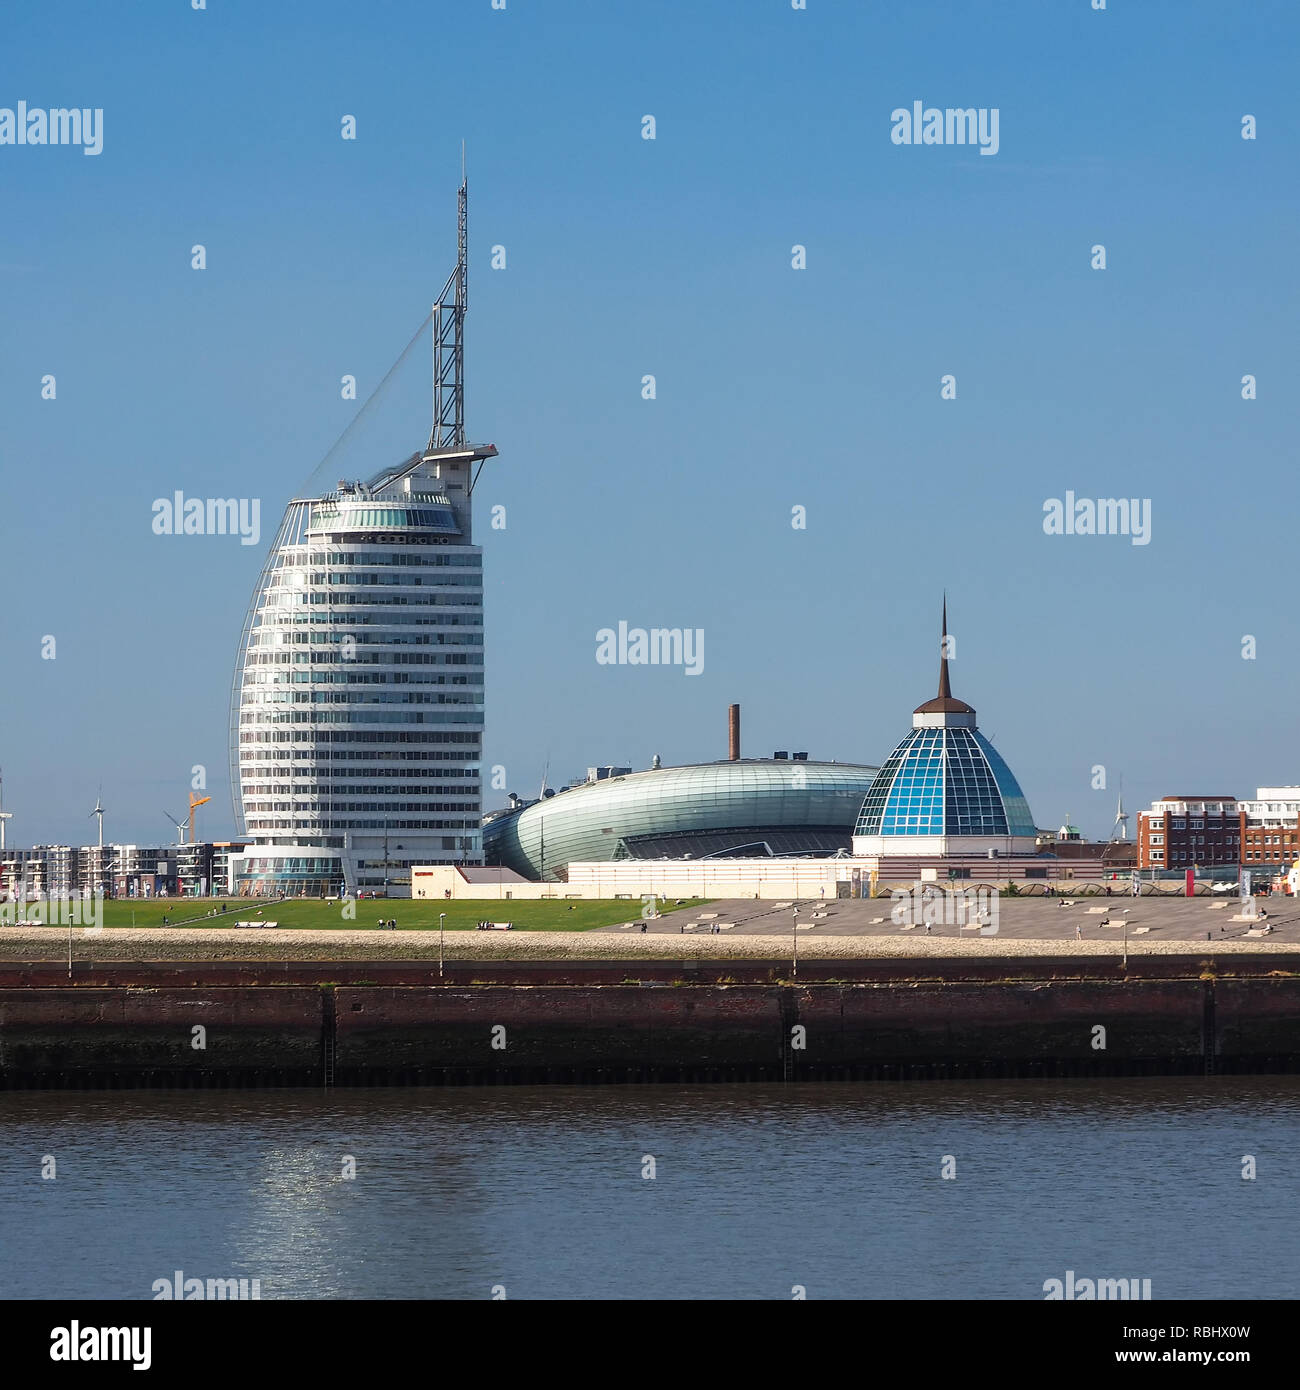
(449, 337)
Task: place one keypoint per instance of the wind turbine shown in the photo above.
(180, 827)
(99, 811)
(1121, 817)
(4, 816)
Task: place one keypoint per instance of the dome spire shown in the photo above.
(945, 690)
(944, 702)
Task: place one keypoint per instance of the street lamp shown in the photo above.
(794, 937)
(442, 917)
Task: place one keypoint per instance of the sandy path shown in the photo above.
(173, 943)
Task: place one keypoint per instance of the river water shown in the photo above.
(756, 1190)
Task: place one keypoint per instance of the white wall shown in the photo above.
(432, 882)
(711, 878)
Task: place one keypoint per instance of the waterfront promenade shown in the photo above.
(843, 929)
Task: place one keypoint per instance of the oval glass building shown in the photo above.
(944, 790)
(360, 702)
(743, 807)
(357, 709)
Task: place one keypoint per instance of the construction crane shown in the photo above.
(195, 803)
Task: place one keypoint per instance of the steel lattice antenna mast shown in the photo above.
(449, 336)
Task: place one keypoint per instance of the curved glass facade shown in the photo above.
(747, 796)
(270, 873)
(945, 781)
(357, 712)
(328, 516)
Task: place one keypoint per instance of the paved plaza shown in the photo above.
(1096, 919)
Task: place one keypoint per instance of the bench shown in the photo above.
(496, 926)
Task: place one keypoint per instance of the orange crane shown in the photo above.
(195, 803)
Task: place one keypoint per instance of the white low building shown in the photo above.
(454, 881)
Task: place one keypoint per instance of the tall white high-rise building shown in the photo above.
(357, 714)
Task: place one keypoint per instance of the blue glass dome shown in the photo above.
(944, 789)
(945, 781)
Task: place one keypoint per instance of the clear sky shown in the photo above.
(776, 388)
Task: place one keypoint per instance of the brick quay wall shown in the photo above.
(357, 1022)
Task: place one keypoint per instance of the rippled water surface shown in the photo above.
(756, 1189)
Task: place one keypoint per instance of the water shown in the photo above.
(757, 1189)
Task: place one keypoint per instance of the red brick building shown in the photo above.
(1272, 835)
(1274, 846)
(1191, 832)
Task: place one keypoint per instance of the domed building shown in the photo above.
(944, 791)
(738, 808)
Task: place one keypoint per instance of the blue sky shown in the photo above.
(775, 388)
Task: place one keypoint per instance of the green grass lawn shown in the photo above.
(578, 915)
